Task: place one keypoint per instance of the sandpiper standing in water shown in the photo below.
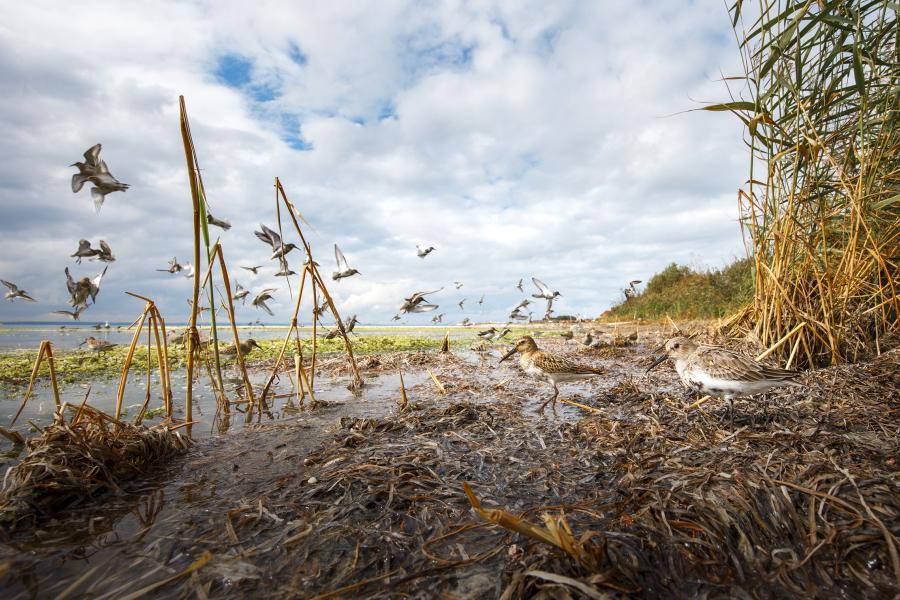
(547, 367)
(721, 372)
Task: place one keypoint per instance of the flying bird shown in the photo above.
(458, 284)
(260, 300)
(74, 315)
(422, 251)
(221, 223)
(14, 292)
(240, 292)
(271, 237)
(343, 269)
(188, 269)
(417, 300)
(437, 318)
(254, 270)
(481, 300)
(460, 303)
(174, 267)
(84, 251)
(84, 288)
(544, 291)
(105, 253)
(94, 170)
(519, 286)
(285, 271)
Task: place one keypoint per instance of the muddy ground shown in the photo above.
(799, 496)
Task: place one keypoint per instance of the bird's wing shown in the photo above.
(92, 155)
(26, 296)
(341, 261)
(98, 196)
(262, 303)
(263, 235)
(96, 281)
(78, 182)
(105, 247)
(63, 312)
(12, 287)
(725, 364)
(70, 283)
(541, 286)
(273, 235)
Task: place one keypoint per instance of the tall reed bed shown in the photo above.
(821, 207)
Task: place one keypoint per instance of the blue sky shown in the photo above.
(519, 139)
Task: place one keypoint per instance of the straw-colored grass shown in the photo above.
(821, 207)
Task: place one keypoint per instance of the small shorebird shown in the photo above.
(466, 322)
(271, 237)
(260, 300)
(285, 270)
(174, 266)
(458, 284)
(493, 334)
(14, 292)
(84, 251)
(105, 253)
(518, 316)
(96, 345)
(519, 286)
(416, 302)
(344, 269)
(422, 251)
(523, 304)
(395, 318)
(84, 288)
(720, 372)
(460, 304)
(481, 300)
(94, 169)
(547, 367)
(254, 270)
(437, 318)
(545, 291)
(349, 324)
(240, 292)
(221, 223)
(74, 315)
(246, 347)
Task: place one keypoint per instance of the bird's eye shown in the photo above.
(675, 346)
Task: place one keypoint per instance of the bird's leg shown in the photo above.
(731, 411)
(555, 394)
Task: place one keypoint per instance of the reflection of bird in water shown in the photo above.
(548, 367)
(14, 292)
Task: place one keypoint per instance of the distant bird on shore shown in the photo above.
(174, 267)
(422, 251)
(493, 334)
(221, 223)
(14, 292)
(519, 286)
(84, 251)
(460, 303)
(437, 318)
(97, 345)
(458, 284)
(254, 270)
(721, 372)
(246, 346)
(545, 366)
(74, 315)
(260, 300)
(105, 253)
(544, 291)
(240, 292)
(94, 169)
(343, 269)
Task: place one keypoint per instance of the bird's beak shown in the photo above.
(508, 354)
(656, 361)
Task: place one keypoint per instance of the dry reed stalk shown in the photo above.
(193, 336)
(123, 378)
(317, 280)
(45, 350)
(404, 401)
(287, 338)
(440, 386)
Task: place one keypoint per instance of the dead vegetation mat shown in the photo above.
(800, 497)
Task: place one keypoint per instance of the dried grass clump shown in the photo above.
(70, 462)
(821, 207)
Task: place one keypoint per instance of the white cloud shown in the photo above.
(519, 140)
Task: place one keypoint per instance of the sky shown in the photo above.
(520, 139)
